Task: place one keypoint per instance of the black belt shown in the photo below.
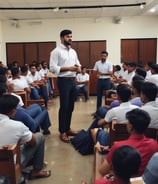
(67, 78)
(104, 79)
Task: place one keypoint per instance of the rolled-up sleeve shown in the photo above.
(54, 62)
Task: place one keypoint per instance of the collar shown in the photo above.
(3, 116)
(151, 103)
(125, 104)
(64, 47)
(136, 136)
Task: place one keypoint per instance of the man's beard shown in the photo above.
(67, 43)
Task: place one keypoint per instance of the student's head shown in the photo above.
(137, 85)
(3, 71)
(126, 161)
(138, 120)
(24, 69)
(8, 104)
(141, 72)
(104, 55)
(131, 67)
(154, 68)
(148, 92)
(3, 78)
(137, 77)
(117, 67)
(83, 69)
(123, 92)
(15, 71)
(3, 88)
(33, 68)
(66, 37)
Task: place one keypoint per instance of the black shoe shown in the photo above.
(46, 132)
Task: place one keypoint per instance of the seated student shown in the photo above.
(148, 97)
(12, 132)
(125, 163)
(82, 80)
(138, 121)
(150, 174)
(33, 117)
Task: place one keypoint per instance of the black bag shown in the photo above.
(83, 142)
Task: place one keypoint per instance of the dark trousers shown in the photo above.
(103, 84)
(67, 93)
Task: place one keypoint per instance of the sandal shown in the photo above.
(41, 174)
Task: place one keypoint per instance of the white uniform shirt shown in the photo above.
(153, 78)
(31, 78)
(19, 84)
(82, 78)
(129, 77)
(152, 109)
(61, 56)
(119, 113)
(103, 67)
(12, 131)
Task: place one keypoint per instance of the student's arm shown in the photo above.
(33, 140)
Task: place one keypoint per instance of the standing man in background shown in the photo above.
(64, 62)
(104, 69)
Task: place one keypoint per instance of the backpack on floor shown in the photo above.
(83, 142)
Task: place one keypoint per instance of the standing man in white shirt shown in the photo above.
(104, 69)
(64, 62)
(82, 80)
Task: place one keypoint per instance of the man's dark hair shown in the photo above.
(141, 72)
(3, 71)
(139, 119)
(104, 52)
(150, 90)
(154, 67)
(3, 88)
(124, 92)
(15, 71)
(118, 67)
(3, 78)
(138, 85)
(126, 161)
(24, 69)
(65, 32)
(8, 102)
(137, 77)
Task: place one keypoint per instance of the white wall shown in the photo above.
(83, 29)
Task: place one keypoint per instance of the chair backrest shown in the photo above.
(10, 164)
(119, 132)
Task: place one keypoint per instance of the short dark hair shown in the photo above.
(124, 92)
(104, 52)
(118, 67)
(139, 119)
(137, 77)
(150, 90)
(65, 32)
(141, 72)
(3, 71)
(8, 102)
(15, 71)
(126, 161)
(24, 69)
(3, 88)
(138, 85)
(3, 78)
(154, 67)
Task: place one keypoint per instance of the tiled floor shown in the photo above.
(66, 164)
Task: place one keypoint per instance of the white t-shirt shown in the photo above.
(12, 131)
(82, 78)
(153, 78)
(103, 67)
(152, 109)
(119, 113)
(19, 84)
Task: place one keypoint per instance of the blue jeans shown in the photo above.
(103, 84)
(33, 117)
(33, 153)
(83, 89)
(67, 94)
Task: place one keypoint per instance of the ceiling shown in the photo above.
(52, 9)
